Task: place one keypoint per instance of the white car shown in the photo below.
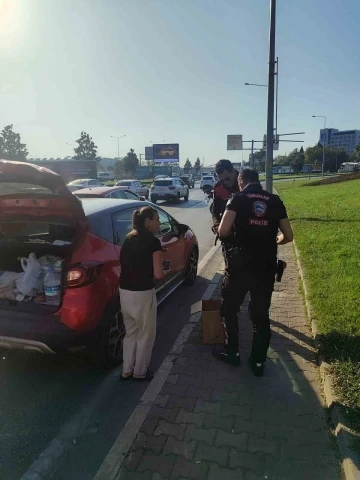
(207, 180)
(169, 189)
(134, 186)
(83, 183)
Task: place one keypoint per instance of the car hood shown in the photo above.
(29, 190)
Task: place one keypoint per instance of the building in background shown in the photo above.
(345, 139)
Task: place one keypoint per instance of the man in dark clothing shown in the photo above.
(254, 218)
(223, 189)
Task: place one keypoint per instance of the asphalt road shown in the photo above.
(59, 416)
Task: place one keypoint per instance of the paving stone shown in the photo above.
(208, 407)
(249, 426)
(205, 435)
(190, 417)
(149, 442)
(168, 414)
(212, 454)
(126, 474)
(204, 394)
(172, 379)
(236, 410)
(221, 396)
(217, 473)
(161, 400)
(149, 425)
(215, 421)
(248, 461)
(236, 440)
(189, 470)
(262, 445)
(181, 402)
(133, 459)
(174, 430)
(174, 389)
(151, 462)
(178, 447)
(187, 380)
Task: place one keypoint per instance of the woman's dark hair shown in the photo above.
(249, 176)
(139, 217)
(223, 165)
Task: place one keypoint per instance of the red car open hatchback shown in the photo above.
(38, 214)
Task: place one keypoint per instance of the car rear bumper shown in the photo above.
(38, 332)
(164, 196)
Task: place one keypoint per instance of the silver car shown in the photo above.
(169, 189)
(134, 186)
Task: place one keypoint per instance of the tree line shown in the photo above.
(313, 156)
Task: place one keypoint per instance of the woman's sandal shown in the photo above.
(148, 377)
(126, 378)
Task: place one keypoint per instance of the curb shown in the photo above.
(332, 401)
(110, 468)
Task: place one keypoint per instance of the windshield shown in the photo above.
(208, 178)
(78, 182)
(124, 183)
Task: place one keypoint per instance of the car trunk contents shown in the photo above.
(40, 280)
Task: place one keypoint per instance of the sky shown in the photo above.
(174, 70)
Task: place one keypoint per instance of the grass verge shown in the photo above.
(326, 223)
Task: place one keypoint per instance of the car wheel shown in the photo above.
(153, 199)
(177, 198)
(107, 348)
(191, 268)
(186, 198)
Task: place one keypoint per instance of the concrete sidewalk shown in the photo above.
(213, 421)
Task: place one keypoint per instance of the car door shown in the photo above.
(174, 243)
(122, 225)
(183, 188)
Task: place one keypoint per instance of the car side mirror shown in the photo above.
(182, 228)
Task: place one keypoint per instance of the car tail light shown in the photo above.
(172, 188)
(83, 274)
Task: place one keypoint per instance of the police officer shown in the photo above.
(254, 217)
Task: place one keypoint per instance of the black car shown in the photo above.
(188, 180)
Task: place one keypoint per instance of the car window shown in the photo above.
(165, 223)
(117, 194)
(122, 224)
(130, 195)
(163, 183)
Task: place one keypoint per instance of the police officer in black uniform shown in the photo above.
(227, 185)
(254, 217)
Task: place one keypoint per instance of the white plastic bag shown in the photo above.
(32, 282)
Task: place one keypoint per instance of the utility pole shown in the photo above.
(270, 109)
(252, 154)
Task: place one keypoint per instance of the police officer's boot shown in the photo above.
(257, 368)
(229, 355)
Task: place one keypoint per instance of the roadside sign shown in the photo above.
(275, 144)
(234, 142)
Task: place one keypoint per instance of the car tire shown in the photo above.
(106, 349)
(191, 268)
(177, 198)
(153, 199)
(186, 198)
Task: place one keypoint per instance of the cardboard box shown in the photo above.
(213, 332)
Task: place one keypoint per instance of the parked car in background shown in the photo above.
(134, 186)
(169, 189)
(207, 180)
(160, 176)
(83, 183)
(188, 179)
(108, 192)
(106, 176)
(87, 235)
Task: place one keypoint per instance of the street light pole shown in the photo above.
(323, 159)
(118, 138)
(270, 108)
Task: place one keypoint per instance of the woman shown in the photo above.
(141, 262)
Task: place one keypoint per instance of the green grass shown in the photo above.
(326, 223)
(301, 176)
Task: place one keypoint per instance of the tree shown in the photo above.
(119, 169)
(11, 147)
(86, 149)
(130, 162)
(187, 165)
(281, 160)
(314, 155)
(357, 149)
(197, 165)
(297, 159)
(259, 160)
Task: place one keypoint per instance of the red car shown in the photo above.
(39, 214)
(108, 192)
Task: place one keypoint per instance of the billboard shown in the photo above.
(71, 169)
(166, 153)
(149, 153)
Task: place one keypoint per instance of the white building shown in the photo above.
(346, 139)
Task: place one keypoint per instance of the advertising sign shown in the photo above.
(166, 153)
(71, 169)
